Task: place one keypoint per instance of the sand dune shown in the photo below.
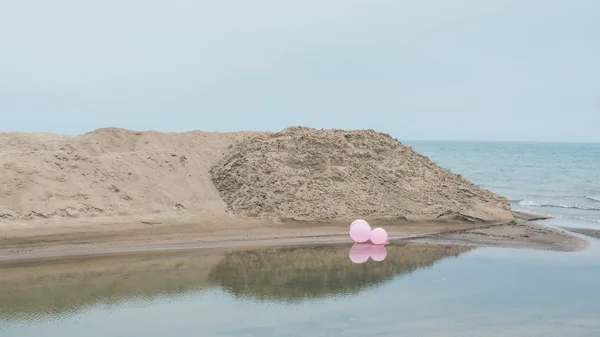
(308, 174)
(113, 188)
(299, 173)
(109, 172)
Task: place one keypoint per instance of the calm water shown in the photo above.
(414, 290)
(417, 290)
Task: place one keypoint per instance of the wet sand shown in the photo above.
(44, 241)
(93, 237)
(593, 233)
(520, 234)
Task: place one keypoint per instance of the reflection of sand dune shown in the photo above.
(301, 273)
(49, 289)
(61, 287)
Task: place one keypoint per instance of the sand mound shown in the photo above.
(299, 173)
(109, 172)
(307, 174)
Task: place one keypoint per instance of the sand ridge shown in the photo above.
(307, 174)
(299, 173)
(113, 190)
(110, 172)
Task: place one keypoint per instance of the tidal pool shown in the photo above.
(415, 289)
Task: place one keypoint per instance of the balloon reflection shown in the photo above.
(361, 252)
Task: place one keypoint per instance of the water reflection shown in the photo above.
(56, 288)
(361, 252)
(300, 273)
(53, 289)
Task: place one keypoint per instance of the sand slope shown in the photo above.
(307, 174)
(299, 174)
(109, 172)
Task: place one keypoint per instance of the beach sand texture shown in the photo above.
(299, 173)
(114, 187)
(109, 172)
(306, 174)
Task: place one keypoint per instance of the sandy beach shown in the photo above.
(74, 239)
(113, 191)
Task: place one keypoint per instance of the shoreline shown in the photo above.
(588, 232)
(94, 238)
(113, 190)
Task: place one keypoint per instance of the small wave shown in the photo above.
(578, 218)
(585, 218)
(593, 198)
(537, 204)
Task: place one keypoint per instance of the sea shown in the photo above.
(402, 289)
(561, 180)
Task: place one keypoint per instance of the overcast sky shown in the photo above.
(427, 69)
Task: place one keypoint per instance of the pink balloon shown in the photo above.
(360, 231)
(378, 253)
(379, 236)
(359, 253)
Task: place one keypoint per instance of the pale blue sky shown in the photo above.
(427, 69)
